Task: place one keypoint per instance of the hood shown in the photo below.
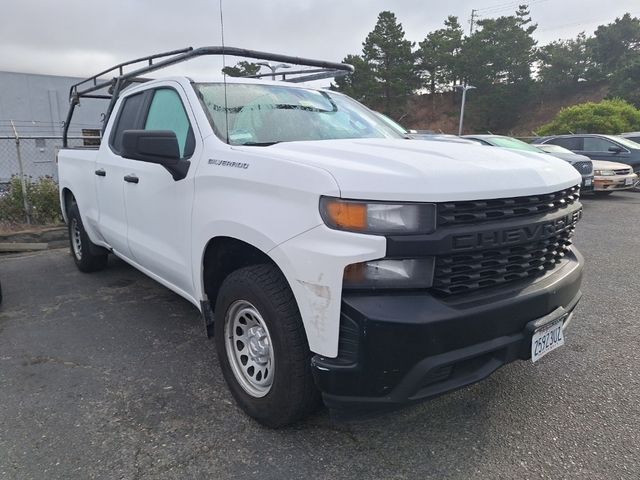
(605, 165)
(569, 157)
(411, 170)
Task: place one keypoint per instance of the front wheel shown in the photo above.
(87, 256)
(262, 347)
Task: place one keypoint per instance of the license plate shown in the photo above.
(587, 182)
(546, 340)
(628, 181)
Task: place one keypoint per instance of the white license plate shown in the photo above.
(628, 181)
(587, 182)
(546, 340)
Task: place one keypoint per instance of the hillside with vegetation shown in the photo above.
(519, 85)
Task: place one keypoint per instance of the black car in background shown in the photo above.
(612, 148)
(633, 136)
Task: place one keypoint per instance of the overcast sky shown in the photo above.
(69, 37)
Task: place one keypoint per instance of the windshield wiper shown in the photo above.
(257, 144)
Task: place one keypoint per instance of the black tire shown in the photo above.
(292, 395)
(88, 256)
(602, 194)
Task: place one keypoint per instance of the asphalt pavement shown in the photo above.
(109, 375)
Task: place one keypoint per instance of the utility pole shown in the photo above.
(472, 20)
(464, 89)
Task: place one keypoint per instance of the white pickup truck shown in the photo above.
(331, 258)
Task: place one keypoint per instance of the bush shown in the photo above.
(42, 197)
(607, 117)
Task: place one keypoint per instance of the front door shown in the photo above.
(159, 207)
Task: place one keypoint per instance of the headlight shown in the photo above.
(378, 217)
(390, 273)
(604, 173)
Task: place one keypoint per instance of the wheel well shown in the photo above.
(68, 200)
(223, 256)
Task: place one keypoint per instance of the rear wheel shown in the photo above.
(88, 256)
(262, 347)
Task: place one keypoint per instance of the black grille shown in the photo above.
(585, 167)
(463, 273)
(478, 211)
(623, 171)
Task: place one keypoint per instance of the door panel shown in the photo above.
(159, 207)
(109, 172)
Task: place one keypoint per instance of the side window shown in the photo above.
(128, 119)
(570, 143)
(167, 113)
(596, 144)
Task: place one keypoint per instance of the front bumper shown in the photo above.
(401, 348)
(612, 183)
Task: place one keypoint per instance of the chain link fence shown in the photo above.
(29, 178)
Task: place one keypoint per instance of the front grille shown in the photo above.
(623, 171)
(478, 211)
(464, 273)
(585, 167)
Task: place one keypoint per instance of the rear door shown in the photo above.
(598, 148)
(110, 169)
(159, 207)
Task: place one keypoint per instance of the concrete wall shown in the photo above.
(38, 104)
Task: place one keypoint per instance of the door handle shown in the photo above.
(131, 179)
(101, 173)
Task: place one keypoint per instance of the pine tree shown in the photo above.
(392, 63)
(439, 54)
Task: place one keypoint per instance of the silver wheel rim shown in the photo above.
(249, 348)
(76, 240)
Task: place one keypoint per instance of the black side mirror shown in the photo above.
(616, 149)
(155, 146)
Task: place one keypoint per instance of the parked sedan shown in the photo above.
(579, 162)
(611, 148)
(611, 176)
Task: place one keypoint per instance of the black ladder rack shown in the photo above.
(120, 79)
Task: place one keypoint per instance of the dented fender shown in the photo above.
(313, 264)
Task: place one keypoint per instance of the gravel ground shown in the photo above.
(109, 376)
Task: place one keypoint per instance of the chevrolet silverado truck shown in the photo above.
(332, 260)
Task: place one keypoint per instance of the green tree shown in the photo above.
(360, 83)
(614, 44)
(564, 63)
(242, 69)
(390, 57)
(608, 116)
(501, 50)
(438, 54)
(625, 82)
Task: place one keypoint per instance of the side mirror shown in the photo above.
(616, 149)
(155, 146)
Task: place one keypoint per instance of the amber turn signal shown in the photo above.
(346, 215)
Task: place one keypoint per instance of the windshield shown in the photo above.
(393, 124)
(549, 148)
(508, 142)
(262, 115)
(626, 142)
